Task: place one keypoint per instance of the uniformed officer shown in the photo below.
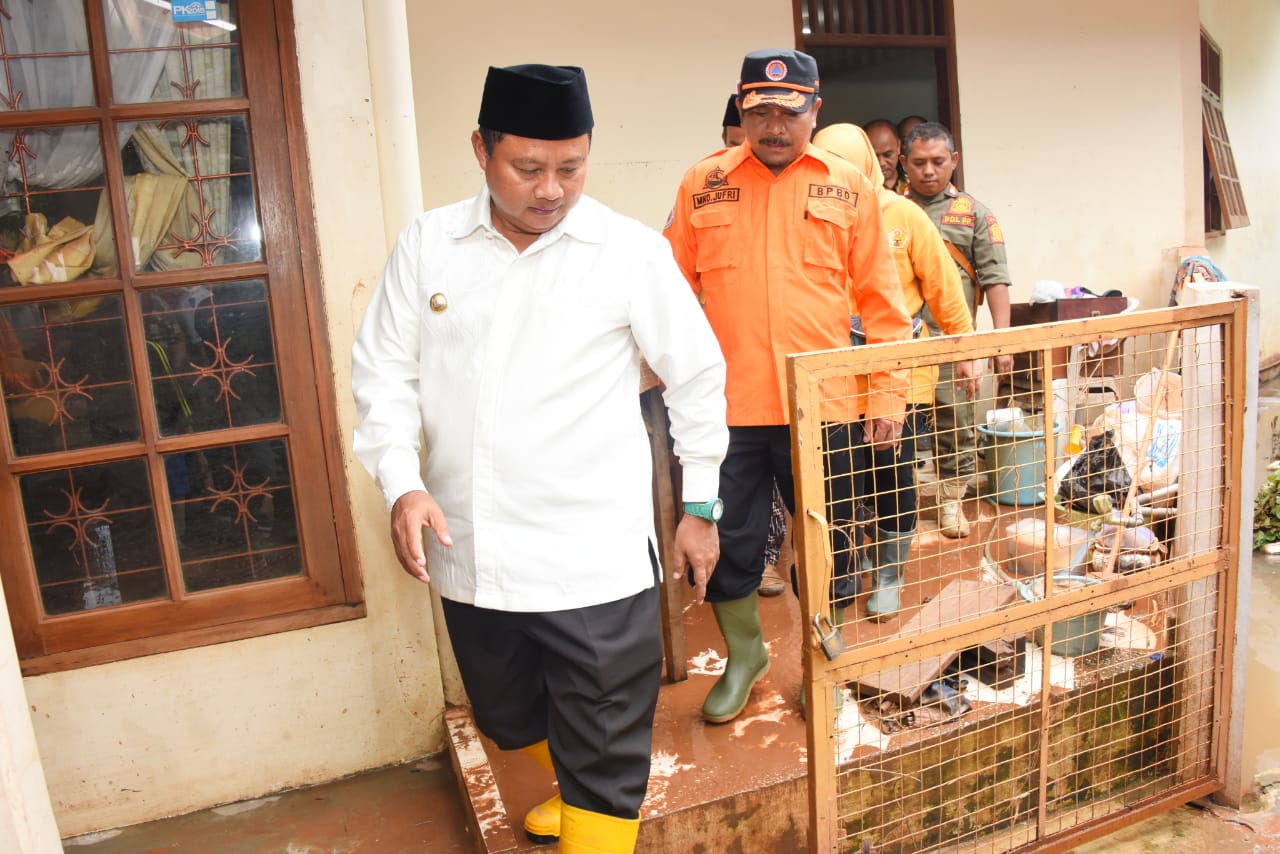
(771, 584)
(775, 236)
(976, 243)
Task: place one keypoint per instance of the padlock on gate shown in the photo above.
(831, 638)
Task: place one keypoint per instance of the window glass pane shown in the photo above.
(234, 514)
(212, 356)
(64, 367)
(93, 536)
(190, 189)
(54, 213)
(155, 59)
(44, 52)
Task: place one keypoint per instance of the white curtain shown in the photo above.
(65, 157)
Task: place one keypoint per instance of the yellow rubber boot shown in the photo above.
(540, 752)
(585, 832)
(542, 823)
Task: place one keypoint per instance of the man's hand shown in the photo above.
(1003, 365)
(885, 433)
(968, 375)
(412, 512)
(698, 548)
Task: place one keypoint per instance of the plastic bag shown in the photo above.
(1161, 464)
(1097, 470)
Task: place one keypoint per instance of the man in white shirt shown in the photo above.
(509, 329)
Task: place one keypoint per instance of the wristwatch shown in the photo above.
(710, 510)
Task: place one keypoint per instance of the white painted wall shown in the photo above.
(659, 73)
(1081, 131)
(166, 734)
(1248, 32)
(27, 825)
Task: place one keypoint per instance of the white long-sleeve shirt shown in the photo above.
(525, 387)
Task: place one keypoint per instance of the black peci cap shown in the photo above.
(778, 77)
(537, 101)
(732, 119)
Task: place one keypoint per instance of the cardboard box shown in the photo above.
(1107, 364)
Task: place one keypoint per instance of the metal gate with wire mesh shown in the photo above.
(1064, 667)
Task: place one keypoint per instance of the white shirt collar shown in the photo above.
(581, 223)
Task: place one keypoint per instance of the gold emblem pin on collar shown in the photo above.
(439, 303)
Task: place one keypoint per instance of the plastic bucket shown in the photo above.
(1076, 635)
(1015, 464)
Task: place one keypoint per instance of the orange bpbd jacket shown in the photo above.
(776, 262)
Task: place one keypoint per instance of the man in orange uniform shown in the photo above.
(777, 237)
(929, 278)
(771, 584)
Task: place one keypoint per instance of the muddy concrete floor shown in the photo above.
(417, 807)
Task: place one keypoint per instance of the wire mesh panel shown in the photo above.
(1018, 609)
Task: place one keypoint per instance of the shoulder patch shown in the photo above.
(960, 205)
(898, 238)
(994, 229)
(671, 218)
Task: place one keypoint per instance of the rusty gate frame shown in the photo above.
(805, 373)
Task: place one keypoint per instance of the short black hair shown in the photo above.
(926, 131)
(490, 138)
(875, 123)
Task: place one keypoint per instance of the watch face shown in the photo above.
(717, 510)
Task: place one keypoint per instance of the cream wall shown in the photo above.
(1248, 32)
(166, 734)
(659, 73)
(1080, 126)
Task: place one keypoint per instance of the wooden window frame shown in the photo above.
(1224, 206)
(329, 588)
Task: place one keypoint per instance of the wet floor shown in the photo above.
(418, 807)
(415, 807)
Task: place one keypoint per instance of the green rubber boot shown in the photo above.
(891, 553)
(739, 621)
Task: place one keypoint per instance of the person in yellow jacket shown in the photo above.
(774, 236)
(929, 277)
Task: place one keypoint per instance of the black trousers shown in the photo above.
(756, 457)
(584, 679)
(893, 478)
